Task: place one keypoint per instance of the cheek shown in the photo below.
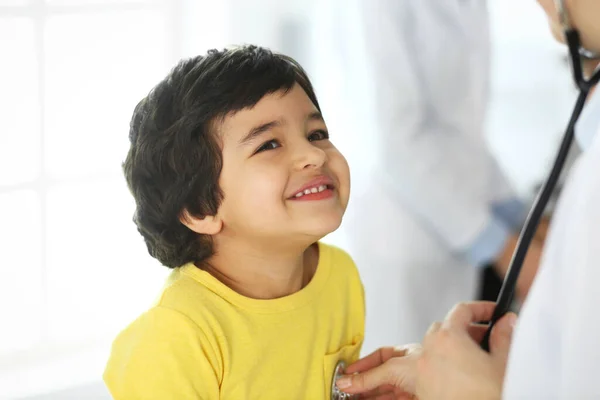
(253, 189)
(267, 177)
(339, 166)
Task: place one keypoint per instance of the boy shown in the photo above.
(235, 181)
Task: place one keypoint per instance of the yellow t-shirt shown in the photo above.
(202, 340)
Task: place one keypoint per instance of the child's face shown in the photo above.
(270, 153)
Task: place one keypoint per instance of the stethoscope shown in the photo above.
(577, 54)
(337, 394)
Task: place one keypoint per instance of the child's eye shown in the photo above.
(318, 135)
(269, 145)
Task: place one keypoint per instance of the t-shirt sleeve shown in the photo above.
(163, 355)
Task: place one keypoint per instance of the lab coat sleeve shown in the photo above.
(488, 244)
(443, 174)
(162, 355)
(508, 217)
(511, 212)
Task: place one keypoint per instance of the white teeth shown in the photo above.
(317, 189)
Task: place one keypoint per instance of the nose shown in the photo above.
(307, 155)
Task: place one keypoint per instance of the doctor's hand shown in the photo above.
(453, 365)
(388, 373)
(450, 365)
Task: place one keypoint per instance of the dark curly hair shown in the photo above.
(175, 159)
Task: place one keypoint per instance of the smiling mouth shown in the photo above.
(313, 190)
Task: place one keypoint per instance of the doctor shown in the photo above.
(435, 208)
(555, 352)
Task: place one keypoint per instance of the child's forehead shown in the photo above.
(281, 106)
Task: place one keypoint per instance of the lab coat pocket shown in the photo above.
(346, 354)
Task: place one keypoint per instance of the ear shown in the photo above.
(209, 225)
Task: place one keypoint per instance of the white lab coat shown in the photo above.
(423, 176)
(555, 352)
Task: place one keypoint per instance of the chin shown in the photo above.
(321, 227)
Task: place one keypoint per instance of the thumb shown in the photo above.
(394, 372)
(501, 338)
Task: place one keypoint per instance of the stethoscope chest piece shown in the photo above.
(337, 394)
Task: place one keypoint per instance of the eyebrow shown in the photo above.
(259, 130)
(315, 116)
(262, 128)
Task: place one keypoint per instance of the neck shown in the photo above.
(263, 272)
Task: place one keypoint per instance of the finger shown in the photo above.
(393, 372)
(464, 314)
(501, 338)
(397, 395)
(384, 396)
(384, 389)
(391, 395)
(375, 394)
(477, 331)
(373, 360)
(433, 328)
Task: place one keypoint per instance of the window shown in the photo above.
(71, 74)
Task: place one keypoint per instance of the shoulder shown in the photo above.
(162, 329)
(169, 348)
(189, 293)
(340, 261)
(186, 313)
(335, 255)
(345, 285)
(159, 319)
(181, 318)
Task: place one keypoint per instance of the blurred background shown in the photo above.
(71, 72)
